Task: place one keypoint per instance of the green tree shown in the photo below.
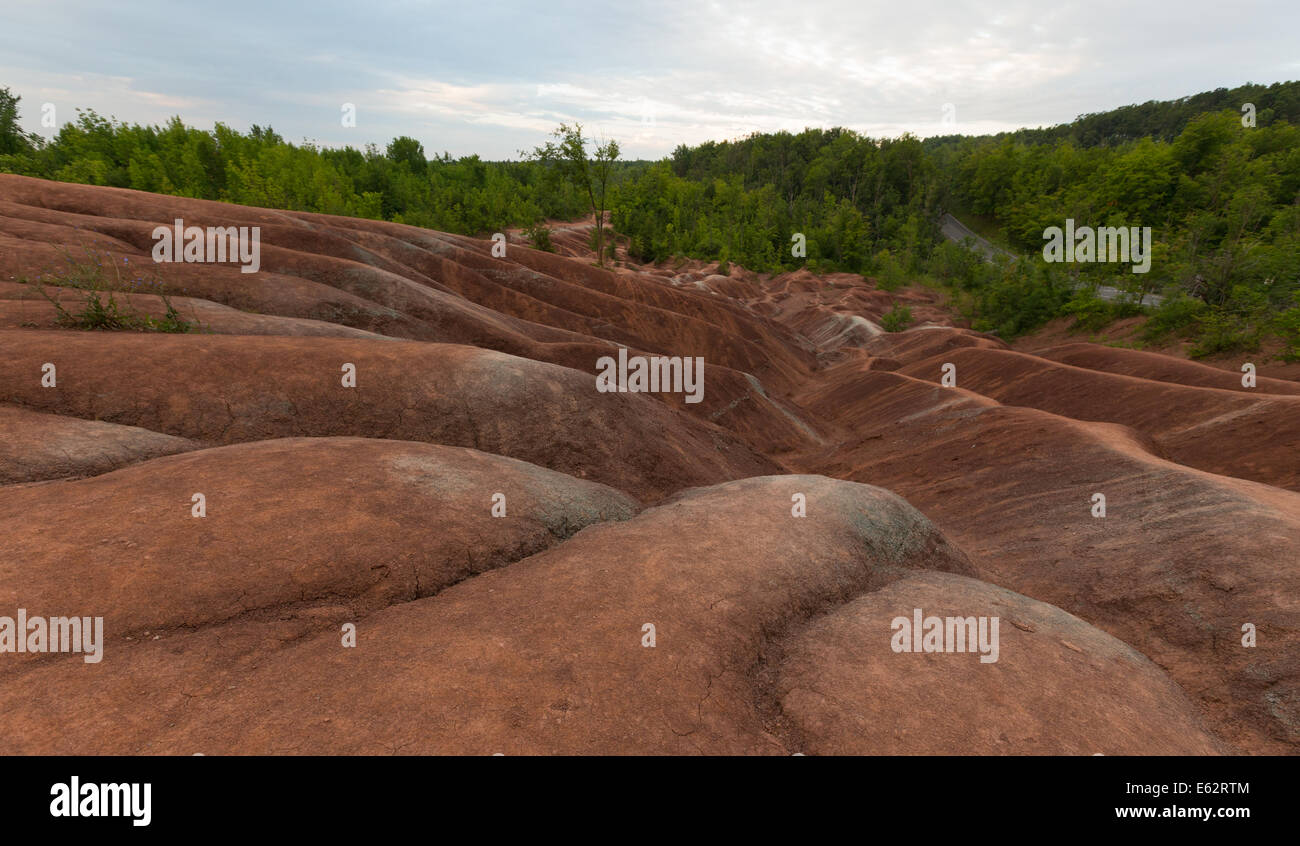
(567, 153)
(406, 150)
(12, 138)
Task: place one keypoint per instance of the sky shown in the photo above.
(494, 78)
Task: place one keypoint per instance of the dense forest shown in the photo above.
(1222, 200)
(1220, 192)
(856, 202)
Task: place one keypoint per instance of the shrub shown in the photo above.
(1179, 314)
(1019, 297)
(1091, 313)
(896, 319)
(890, 275)
(540, 236)
(1224, 331)
(1287, 327)
(101, 310)
(106, 315)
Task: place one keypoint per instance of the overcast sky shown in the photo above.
(492, 78)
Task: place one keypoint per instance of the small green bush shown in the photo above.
(890, 275)
(1177, 315)
(105, 315)
(896, 319)
(540, 237)
(1091, 313)
(1287, 328)
(101, 310)
(1222, 331)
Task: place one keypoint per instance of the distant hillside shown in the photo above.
(1162, 120)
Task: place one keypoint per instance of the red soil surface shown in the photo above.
(1127, 334)
(763, 538)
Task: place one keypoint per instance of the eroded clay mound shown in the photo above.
(547, 655)
(21, 307)
(1250, 437)
(35, 446)
(297, 521)
(1175, 565)
(226, 389)
(923, 342)
(371, 505)
(406, 282)
(1055, 685)
(1162, 368)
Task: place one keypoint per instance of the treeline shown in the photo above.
(857, 204)
(1160, 120)
(260, 168)
(1222, 200)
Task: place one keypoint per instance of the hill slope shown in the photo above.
(535, 566)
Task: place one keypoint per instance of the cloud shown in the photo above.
(493, 78)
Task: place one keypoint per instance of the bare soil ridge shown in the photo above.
(827, 483)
